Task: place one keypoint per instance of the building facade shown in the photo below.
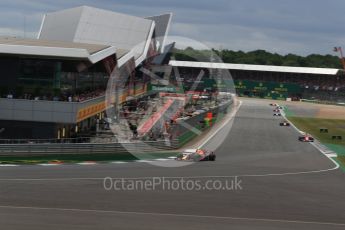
(54, 87)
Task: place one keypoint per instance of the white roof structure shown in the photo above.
(92, 34)
(96, 26)
(163, 22)
(56, 49)
(264, 68)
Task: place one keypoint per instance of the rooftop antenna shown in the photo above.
(221, 52)
(340, 50)
(24, 25)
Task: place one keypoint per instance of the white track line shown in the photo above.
(329, 156)
(87, 163)
(94, 163)
(49, 164)
(174, 215)
(143, 161)
(173, 177)
(162, 159)
(8, 165)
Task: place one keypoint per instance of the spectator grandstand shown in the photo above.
(274, 81)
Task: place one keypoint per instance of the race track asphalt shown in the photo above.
(285, 184)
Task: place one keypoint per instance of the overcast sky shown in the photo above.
(283, 26)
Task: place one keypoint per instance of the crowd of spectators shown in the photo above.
(87, 95)
(63, 96)
(331, 87)
(330, 83)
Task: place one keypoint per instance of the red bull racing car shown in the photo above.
(196, 155)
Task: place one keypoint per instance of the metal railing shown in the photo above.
(46, 141)
(86, 148)
(315, 101)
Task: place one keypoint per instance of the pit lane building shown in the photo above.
(54, 86)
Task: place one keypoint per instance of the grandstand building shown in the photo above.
(275, 82)
(53, 87)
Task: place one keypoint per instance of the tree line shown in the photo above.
(257, 57)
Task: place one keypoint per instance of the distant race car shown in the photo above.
(284, 123)
(279, 107)
(277, 114)
(273, 104)
(196, 155)
(276, 110)
(306, 138)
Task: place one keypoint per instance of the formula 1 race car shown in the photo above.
(273, 104)
(279, 107)
(284, 123)
(306, 138)
(196, 155)
(276, 110)
(277, 114)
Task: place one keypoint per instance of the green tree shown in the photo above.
(258, 57)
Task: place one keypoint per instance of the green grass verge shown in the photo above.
(288, 112)
(339, 149)
(334, 126)
(74, 158)
(341, 162)
(313, 125)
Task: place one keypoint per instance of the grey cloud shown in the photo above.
(300, 26)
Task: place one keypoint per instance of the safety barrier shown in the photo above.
(85, 148)
(323, 102)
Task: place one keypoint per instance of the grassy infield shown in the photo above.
(334, 126)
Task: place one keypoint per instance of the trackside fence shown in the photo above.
(86, 148)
